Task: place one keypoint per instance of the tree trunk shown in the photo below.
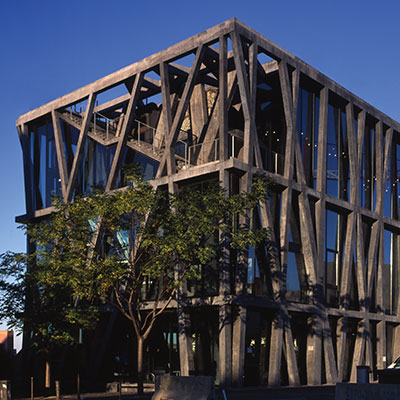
(140, 364)
(47, 383)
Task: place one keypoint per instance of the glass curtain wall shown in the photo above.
(335, 229)
(307, 128)
(390, 272)
(296, 277)
(388, 179)
(70, 137)
(368, 168)
(130, 157)
(45, 177)
(257, 349)
(271, 125)
(337, 160)
(395, 180)
(95, 167)
(205, 335)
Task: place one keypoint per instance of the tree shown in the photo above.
(136, 246)
(45, 311)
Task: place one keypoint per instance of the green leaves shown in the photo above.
(127, 248)
(32, 297)
(14, 280)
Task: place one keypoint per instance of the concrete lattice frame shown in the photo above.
(235, 73)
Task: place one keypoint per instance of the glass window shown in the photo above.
(388, 178)
(297, 287)
(70, 140)
(293, 290)
(337, 158)
(368, 168)
(332, 173)
(45, 177)
(335, 229)
(395, 180)
(130, 157)
(307, 128)
(95, 167)
(271, 125)
(343, 157)
(390, 272)
(253, 272)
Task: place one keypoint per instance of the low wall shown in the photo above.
(184, 388)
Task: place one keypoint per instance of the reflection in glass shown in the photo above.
(296, 279)
(395, 181)
(271, 125)
(368, 169)
(390, 272)
(45, 177)
(95, 167)
(337, 160)
(130, 157)
(307, 128)
(335, 225)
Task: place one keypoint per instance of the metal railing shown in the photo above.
(101, 123)
(184, 154)
(332, 174)
(147, 135)
(154, 140)
(278, 163)
(202, 153)
(235, 145)
(107, 123)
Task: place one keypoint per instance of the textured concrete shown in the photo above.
(184, 388)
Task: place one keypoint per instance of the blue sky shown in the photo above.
(50, 48)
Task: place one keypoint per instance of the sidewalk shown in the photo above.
(93, 396)
(325, 392)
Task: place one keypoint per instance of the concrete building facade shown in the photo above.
(323, 296)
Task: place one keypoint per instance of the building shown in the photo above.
(7, 342)
(7, 354)
(223, 105)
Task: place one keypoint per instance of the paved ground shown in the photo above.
(299, 393)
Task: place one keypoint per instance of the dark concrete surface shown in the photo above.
(325, 392)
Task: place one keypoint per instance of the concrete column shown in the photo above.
(275, 356)
(396, 343)
(330, 361)
(381, 344)
(225, 346)
(341, 346)
(239, 346)
(185, 342)
(313, 357)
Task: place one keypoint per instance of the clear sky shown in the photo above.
(50, 47)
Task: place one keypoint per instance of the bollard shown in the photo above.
(5, 390)
(32, 396)
(362, 374)
(78, 387)
(58, 397)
